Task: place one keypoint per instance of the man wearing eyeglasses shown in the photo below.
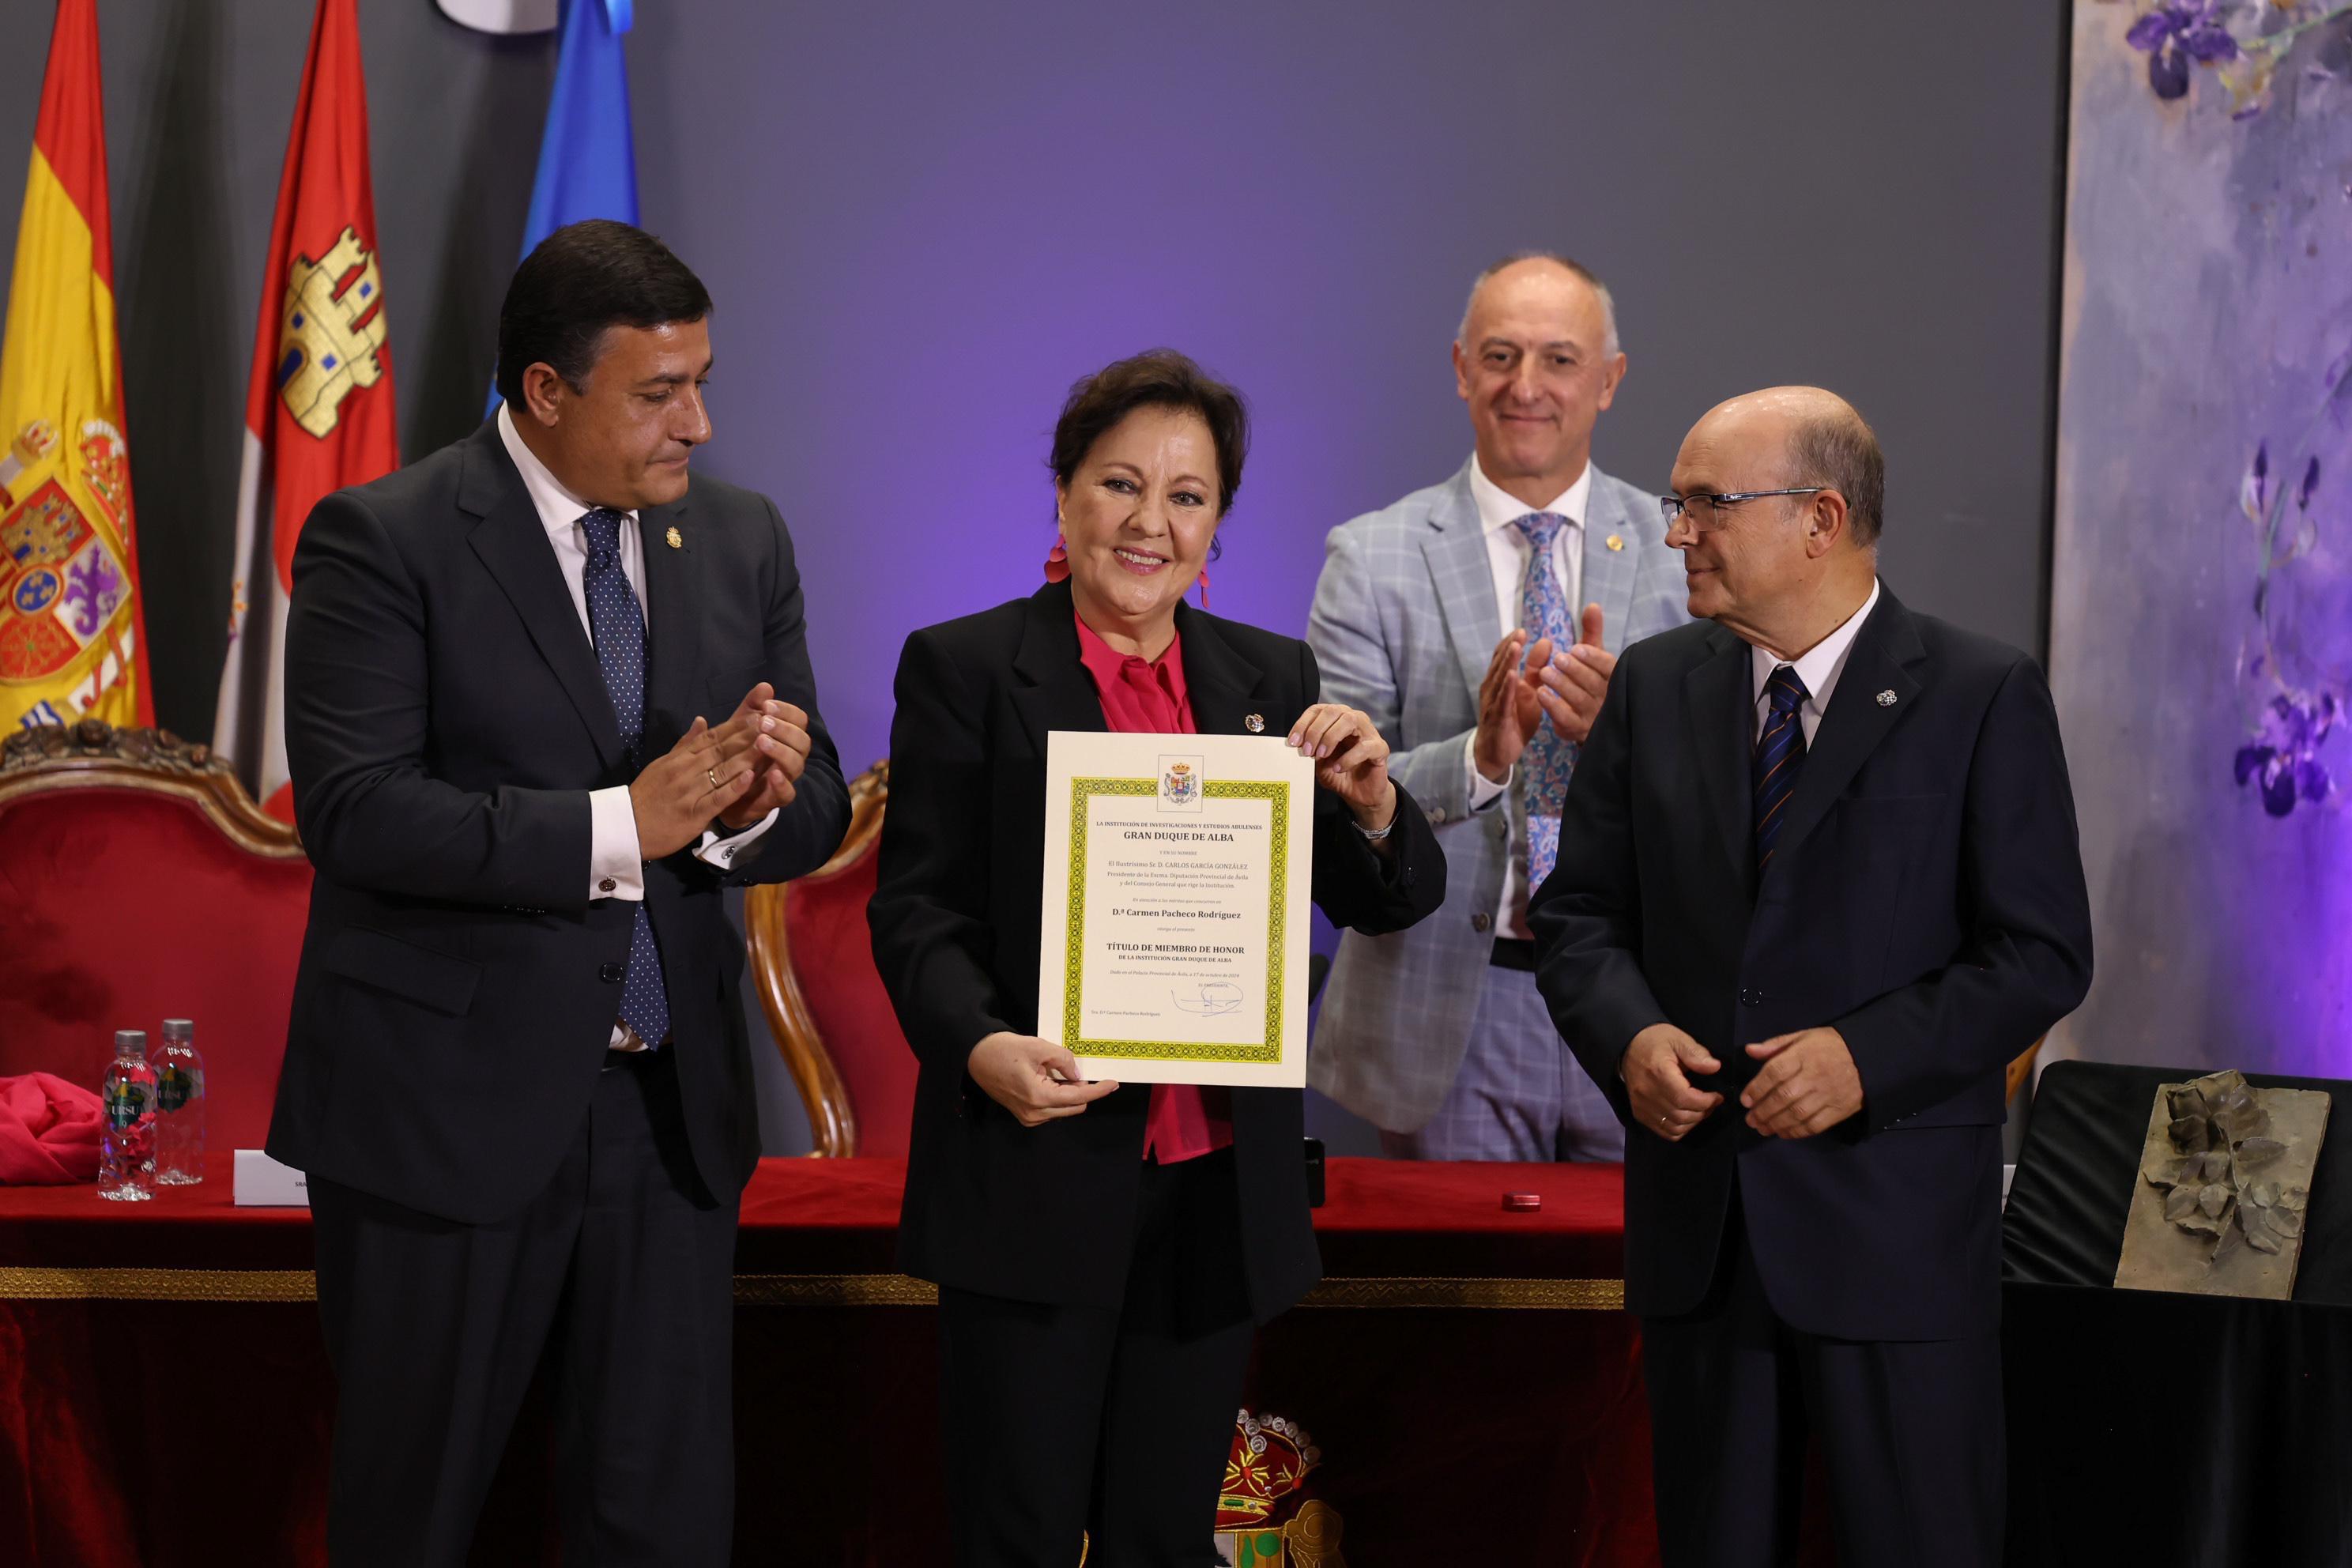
(1477, 621)
(1818, 883)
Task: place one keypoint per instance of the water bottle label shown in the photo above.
(126, 1104)
(175, 1085)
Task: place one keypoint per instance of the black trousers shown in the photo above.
(1063, 1423)
(1910, 1434)
(621, 1273)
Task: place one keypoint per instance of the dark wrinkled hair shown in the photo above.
(1839, 449)
(575, 284)
(1158, 378)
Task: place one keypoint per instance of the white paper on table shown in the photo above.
(262, 1182)
(1177, 882)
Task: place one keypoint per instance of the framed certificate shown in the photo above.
(1177, 879)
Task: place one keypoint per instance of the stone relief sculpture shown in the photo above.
(2225, 1178)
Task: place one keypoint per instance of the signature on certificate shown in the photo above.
(1209, 998)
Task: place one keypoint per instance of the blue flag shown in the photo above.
(587, 158)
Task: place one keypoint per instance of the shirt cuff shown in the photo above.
(1483, 790)
(722, 852)
(615, 870)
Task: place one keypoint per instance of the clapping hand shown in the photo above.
(706, 772)
(1508, 710)
(1572, 683)
(777, 736)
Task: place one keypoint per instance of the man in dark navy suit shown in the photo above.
(543, 706)
(1818, 883)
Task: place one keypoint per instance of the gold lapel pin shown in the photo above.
(1615, 542)
(677, 540)
(1255, 723)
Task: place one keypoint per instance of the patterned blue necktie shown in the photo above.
(619, 628)
(1779, 754)
(1549, 760)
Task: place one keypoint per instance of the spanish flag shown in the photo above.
(318, 412)
(71, 640)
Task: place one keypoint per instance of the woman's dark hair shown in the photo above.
(577, 282)
(1157, 378)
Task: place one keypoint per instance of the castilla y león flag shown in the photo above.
(318, 412)
(70, 642)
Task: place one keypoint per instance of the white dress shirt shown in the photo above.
(1507, 552)
(1819, 668)
(615, 869)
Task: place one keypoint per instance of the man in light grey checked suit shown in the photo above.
(1436, 1035)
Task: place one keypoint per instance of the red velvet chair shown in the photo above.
(814, 965)
(139, 881)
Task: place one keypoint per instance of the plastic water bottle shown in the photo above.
(179, 1106)
(126, 1143)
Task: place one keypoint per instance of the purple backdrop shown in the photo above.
(922, 223)
(923, 219)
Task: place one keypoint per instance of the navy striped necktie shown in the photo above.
(1779, 754)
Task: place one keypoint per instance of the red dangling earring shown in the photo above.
(1201, 582)
(1058, 562)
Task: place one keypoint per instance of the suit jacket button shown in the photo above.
(1751, 998)
(608, 885)
(1481, 920)
(611, 974)
(1436, 815)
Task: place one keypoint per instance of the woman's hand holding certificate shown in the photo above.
(1034, 1079)
(1350, 760)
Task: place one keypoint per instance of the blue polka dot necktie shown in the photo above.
(619, 629)
(1549, 760)
(1779, 754)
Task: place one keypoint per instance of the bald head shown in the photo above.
(1546, 279)
(1822, 440)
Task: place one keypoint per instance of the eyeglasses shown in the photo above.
(1704, 511)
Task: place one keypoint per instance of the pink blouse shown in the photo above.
(1146, 697)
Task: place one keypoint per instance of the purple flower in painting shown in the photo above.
(2284, 757)
(2254, 490)
(2176, 33)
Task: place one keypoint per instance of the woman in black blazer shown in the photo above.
(1097, 1301)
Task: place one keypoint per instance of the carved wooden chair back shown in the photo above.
(812, 964)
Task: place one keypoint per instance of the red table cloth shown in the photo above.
(1468, 1373)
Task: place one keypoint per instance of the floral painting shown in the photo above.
(2202, 593)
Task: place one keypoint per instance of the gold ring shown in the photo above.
(712, 775)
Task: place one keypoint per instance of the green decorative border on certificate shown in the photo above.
(1273, 790)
